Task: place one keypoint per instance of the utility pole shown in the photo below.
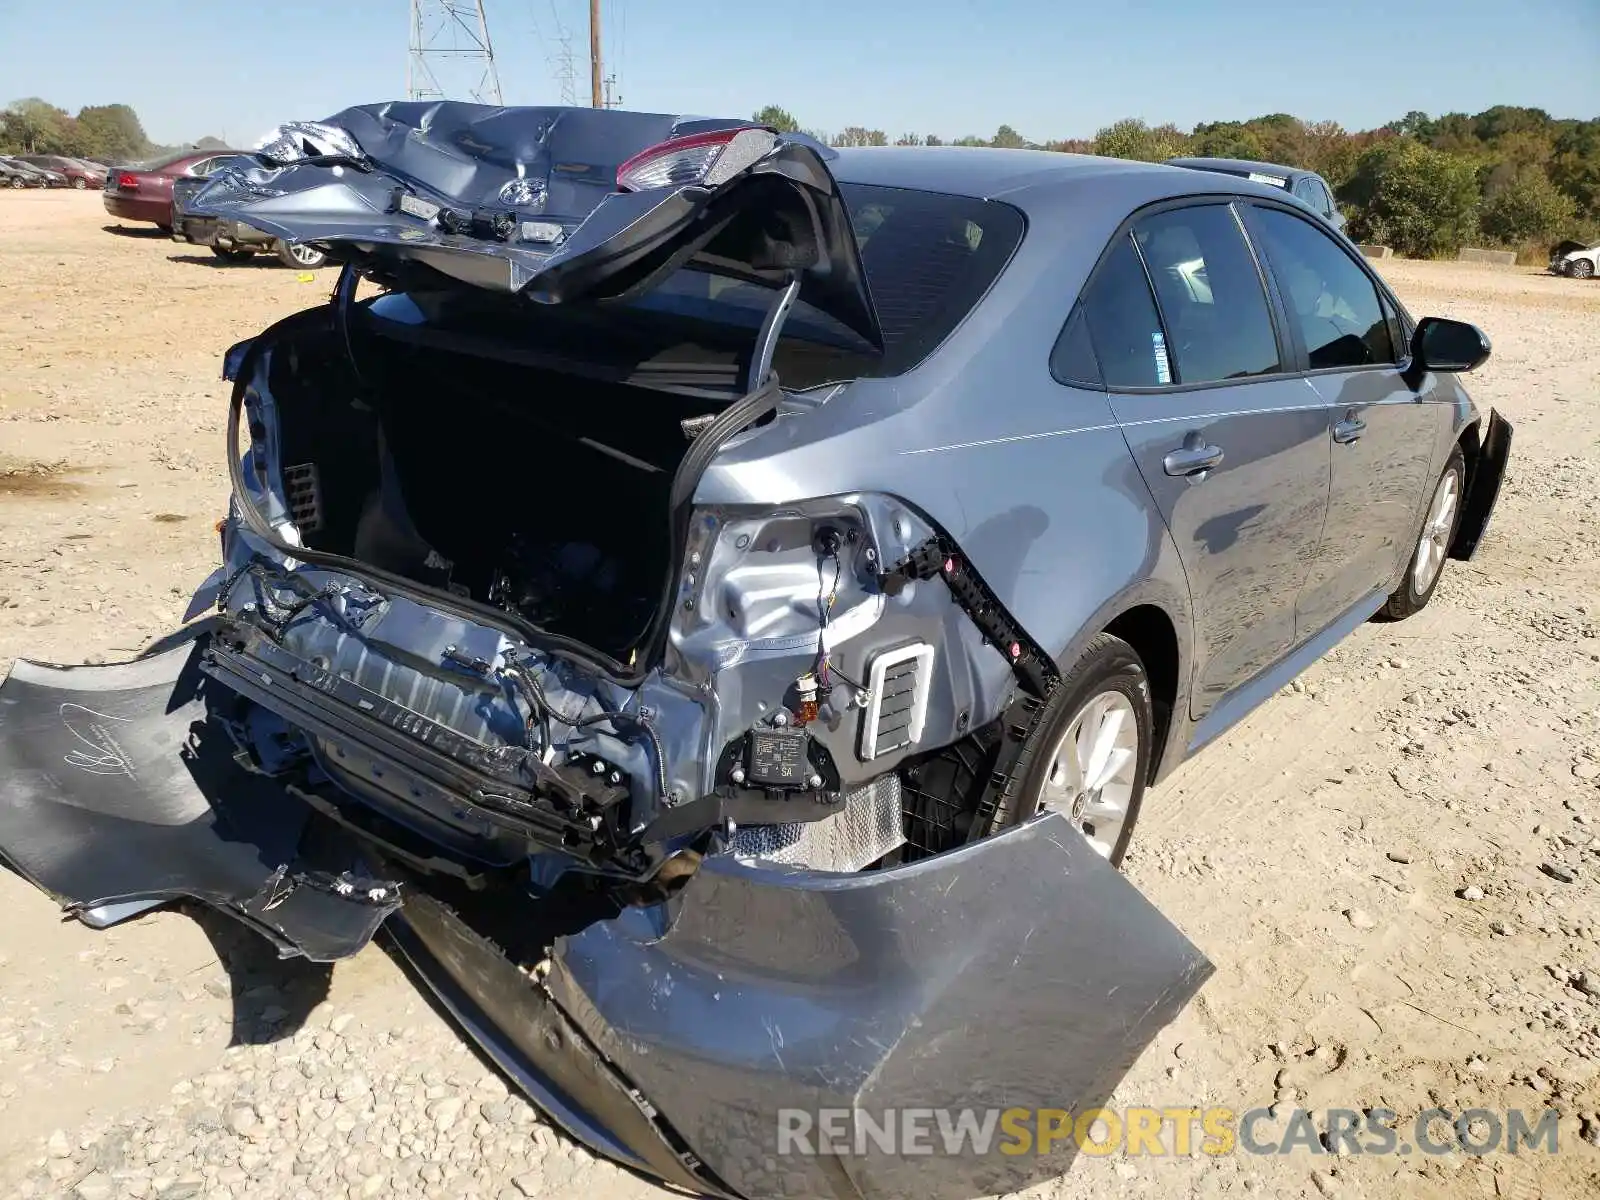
(597, 97)
(450, 29)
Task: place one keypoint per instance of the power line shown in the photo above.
(596, 85)
(444, 31)
(558, 55)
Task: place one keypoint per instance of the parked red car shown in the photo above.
(143, 191)
(79, 173)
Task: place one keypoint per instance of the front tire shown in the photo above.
(1583, 269)
(1433, 543)
(300, 256)
(78, 185)
(1089, 756)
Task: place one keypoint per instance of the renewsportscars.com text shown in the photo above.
(1162, 1131)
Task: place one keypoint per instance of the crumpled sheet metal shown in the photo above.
(1020, 971)
(526, 200)
(117, 793)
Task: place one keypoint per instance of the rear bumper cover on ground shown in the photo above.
(117, 794)
(1018, 972)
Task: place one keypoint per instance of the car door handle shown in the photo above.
(1192, 460)
(1348, 430)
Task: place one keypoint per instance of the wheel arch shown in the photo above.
(1149, 629)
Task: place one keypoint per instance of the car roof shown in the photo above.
(1238, 164)
(1032, 178)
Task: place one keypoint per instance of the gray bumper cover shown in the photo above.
(1018, 972)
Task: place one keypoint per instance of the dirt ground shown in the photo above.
(1377, 861)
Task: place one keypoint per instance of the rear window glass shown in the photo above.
(929, 259)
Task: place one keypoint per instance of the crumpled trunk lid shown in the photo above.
(526, 200)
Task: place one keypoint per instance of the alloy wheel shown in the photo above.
(1434, 543)
(1092, 769)
(306, 256)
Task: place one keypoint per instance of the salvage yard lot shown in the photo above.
(1363, 859)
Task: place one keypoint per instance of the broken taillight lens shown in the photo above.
(696, 158)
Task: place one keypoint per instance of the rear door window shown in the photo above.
(1212, 303)
(1123, 327)
(1325, 198)
(1332, 302)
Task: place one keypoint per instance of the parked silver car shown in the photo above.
(722, 605)
(1308, 187)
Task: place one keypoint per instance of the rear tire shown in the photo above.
(78, 185)
(300, 257)
(1432, 547)
(1089, 756)
(231, 255)
(1583, 269)
(18, 182)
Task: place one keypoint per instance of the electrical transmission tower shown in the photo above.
(566, 67)
(451, 38)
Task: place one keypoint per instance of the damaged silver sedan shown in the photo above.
(718, 603)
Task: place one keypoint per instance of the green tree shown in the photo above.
(111, 131)
(971, 139)
(1282, 139)
(1132, 138)
(935, 140)
(777, 118)
(1226, 139)
(1492, 124)
(1414, 124)
(1526, 208)
(1575, 166)
(1421, 201)
(856, 135)
(36, 127)
(1007, 138)
(910, 139)
(1331, 152)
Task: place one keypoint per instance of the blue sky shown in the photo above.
(1051, 68)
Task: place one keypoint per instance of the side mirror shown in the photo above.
(1441, 344)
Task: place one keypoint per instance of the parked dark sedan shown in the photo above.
(78, 173)
(1308, 187)
(38, 176)
(16, 177)
(143, 191)
(721, 604)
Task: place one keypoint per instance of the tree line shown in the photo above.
(108, 133)
(1507, 176)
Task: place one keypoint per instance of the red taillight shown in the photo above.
(690, 159)
(127, 182)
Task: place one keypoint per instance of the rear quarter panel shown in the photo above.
(1031, 478)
